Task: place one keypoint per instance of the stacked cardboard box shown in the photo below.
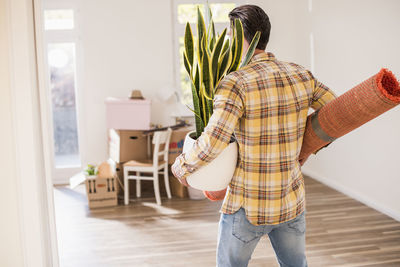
(125, 145)
(176, 143)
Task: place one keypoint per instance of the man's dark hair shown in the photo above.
(253, 19)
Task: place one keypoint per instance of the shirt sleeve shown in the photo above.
(228, 108)
(322, 95)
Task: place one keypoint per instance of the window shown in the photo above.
(58, 19)
(186, 11)
(61, 60)
(60, 39)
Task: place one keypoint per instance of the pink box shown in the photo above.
(128, 114)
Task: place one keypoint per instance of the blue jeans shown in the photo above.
(237, 239)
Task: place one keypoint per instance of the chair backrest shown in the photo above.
(161, 138)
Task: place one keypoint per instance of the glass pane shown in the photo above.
(58, 19)
(61, 59)
(184, 77)
(188, 12)
(220, 11)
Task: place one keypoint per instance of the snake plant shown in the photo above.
(208, 58)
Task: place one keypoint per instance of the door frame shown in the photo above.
(33, 161)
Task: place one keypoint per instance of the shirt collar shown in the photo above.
(263, 56)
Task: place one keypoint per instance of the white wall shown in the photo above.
(289, 39)
(10, 245)
(353, 40)
(126, 45)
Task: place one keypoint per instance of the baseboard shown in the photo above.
(355, 195)
(61, 181)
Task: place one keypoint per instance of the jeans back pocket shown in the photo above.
(243, 230)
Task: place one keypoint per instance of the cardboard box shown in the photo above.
(176, 143)
(128, 114)
(125, 145)
(101, 192)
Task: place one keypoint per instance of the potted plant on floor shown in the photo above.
(208, 59)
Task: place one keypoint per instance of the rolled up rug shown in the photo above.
(346, 113)
(349, 111)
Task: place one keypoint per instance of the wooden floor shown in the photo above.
(340, 232)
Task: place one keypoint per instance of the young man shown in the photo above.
(265, 104)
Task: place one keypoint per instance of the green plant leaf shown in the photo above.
(223, 54)
(210, 108)
(224, 48)
(208, 10)
(239, 45)
(251, 49)
(206, 73)
(197, 80)
(212, 42)
(233, 50)
(195, 113)
(206, 95)
(225, 64)
(215, 55)
(211, 33)
(196, 105)
(213, 29)
(186, 63)
(197, 85)
(205, 105)
(201, 32)
(189, 45)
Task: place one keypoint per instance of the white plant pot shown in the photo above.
(217, 174)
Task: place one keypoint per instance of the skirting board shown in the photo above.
(61, 181)
(355, 195)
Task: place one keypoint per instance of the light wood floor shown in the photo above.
(340, 232)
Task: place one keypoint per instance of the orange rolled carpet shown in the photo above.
(349, 111)
(346, 113)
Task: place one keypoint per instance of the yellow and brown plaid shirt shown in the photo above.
(265, 105)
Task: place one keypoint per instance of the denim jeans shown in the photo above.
(237, 239)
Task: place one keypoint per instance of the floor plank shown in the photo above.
(182, 232)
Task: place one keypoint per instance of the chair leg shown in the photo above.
(126, 187)
(156, 187)
(138, 189)
(166, 180)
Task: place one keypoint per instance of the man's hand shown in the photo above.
(302, 161)
(178, 173)
(184, 182)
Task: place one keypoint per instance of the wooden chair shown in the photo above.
(153, 166)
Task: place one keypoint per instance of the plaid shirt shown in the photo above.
(265, 104)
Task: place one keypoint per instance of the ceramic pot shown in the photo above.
(217, 174)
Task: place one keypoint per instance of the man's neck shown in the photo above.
(258, 51)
